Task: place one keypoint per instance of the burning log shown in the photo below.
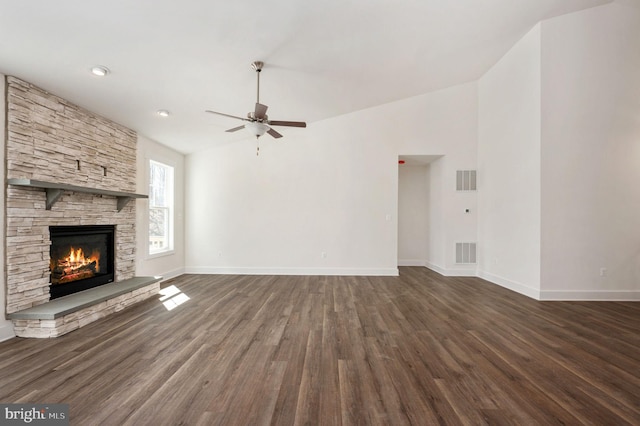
(66, 271)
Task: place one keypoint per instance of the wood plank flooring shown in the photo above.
(416, 349)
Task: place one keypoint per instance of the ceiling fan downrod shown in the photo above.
(257, 66)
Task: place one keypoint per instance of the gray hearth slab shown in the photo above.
(74, 302)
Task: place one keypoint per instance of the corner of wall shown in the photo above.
(457, 272)
(509, 168)
(518, 287)
(6, 327)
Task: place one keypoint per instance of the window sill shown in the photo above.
(151, 256)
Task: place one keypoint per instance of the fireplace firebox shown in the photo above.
(81, 257)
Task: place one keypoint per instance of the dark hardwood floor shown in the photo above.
(416, 349)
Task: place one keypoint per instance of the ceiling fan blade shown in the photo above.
(261, 111)
(235, 129)
(227, 115)
(274, 133)
(288, 123)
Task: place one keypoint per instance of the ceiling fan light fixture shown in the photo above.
(256, 129)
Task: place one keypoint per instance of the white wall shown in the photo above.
(437, 249)
(313, 192)
(329, 189)
(558, 159)
(455, 226)
(413, 214)
(444, 123)
(6, 327)
(591, 153)
(509, 168)
(170, 264)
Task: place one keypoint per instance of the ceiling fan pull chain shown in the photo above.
(257, 146)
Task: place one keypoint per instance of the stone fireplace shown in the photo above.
(88, 162)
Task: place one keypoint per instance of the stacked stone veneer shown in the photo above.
(53, 140)
(47, 328)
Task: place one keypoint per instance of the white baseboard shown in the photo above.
(592, 295)
(6, 330)
(630, 295)
(411, 262)
(563, 295)
(292, 271)
(172, 274)
(511, 285)
(461, 272)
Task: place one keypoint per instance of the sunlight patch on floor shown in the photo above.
(172, 297)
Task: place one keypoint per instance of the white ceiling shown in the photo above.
(323, 58)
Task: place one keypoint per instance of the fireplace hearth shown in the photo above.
(81, 257)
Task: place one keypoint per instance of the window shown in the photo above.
(160, 207)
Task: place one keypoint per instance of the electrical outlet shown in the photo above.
(603, 272)
(323, 255)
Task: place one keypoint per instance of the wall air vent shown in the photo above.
(466, 180)
(465, 253)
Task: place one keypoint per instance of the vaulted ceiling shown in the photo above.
(323, 58)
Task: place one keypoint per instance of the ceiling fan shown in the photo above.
(258, 122)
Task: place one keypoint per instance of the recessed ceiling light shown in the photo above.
(100, 70)
(163, 113)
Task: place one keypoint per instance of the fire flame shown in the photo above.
(77, 258)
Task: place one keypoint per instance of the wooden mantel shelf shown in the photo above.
(55, 190)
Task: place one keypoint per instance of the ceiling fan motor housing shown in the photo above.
(251, 115)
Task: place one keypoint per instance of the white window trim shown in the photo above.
(171, 250)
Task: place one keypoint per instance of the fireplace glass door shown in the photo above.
(81, 257)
